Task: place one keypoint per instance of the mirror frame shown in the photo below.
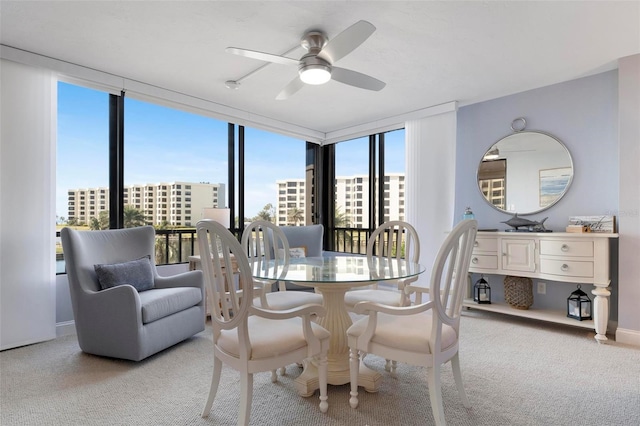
(522, 131)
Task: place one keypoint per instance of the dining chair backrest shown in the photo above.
(231, 292)
(395, 239)
(425, 334)
(449, 274)
(264, 241)
(250, 338)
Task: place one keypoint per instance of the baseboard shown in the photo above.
(65, 328)
(629, 337)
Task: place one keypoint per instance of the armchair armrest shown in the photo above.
(418, 289)
(114, 313)
(184, 279)
(372, 307)
(303, 311)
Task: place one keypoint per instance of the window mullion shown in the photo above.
(116, 161)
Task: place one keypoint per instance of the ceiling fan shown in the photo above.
(316, 66)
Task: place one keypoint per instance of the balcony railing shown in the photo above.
(174, 246)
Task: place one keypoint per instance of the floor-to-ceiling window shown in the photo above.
(82, 169)
(179, 165)
(275, 179)
(175, 165)
(394, 170)
(368, 187)
(175, 173)
(352, 184)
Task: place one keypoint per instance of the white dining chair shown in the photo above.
(426, 334)
(264, 241)
(391, 240)
(248, 338)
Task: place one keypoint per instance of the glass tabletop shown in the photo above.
(336, 269)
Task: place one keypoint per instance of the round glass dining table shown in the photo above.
(333, 276)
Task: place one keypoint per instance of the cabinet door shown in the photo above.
(518, 255)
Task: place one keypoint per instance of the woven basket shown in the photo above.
(518, 292)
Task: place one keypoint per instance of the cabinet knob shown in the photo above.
(475, 244)
(564, 267)
(564, 247)
(474, 260)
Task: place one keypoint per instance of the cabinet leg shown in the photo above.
(601, 312)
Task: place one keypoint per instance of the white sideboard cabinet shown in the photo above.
(581, 258)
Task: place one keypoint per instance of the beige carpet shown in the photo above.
(516, 372)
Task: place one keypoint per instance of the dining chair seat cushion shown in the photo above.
(400, 332)
(384, 297)
(281, 300)
(270, 338)
(161, 302)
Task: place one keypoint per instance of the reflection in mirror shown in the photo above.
(525, 172)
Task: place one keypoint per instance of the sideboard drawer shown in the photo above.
(566, 248)
(482, 261)
(485, 245)
(564, 268)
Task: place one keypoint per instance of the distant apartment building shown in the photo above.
(291, 197)
(175, 203)
(351, 197)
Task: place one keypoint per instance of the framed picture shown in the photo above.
(553, 182)
(604, 223)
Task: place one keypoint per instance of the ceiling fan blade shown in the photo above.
(291, 88)
(268, 57)
(357, 79)
(345, 42)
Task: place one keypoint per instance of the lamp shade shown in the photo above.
(221, 216)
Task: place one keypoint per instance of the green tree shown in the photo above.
(267, 213)
(341, 220)
(295, 216)
(133, 217)
(101, 222)
(164, 225)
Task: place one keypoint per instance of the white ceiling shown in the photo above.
(428, 52)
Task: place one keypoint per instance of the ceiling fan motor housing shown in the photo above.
(314, 41)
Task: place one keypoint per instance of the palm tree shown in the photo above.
(267, 213)
(295, 216)
(166, 245)
(133, 217)
(341, 220)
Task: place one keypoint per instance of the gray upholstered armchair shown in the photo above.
(112, 317)
(309, 237)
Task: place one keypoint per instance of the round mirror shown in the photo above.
(525, 173)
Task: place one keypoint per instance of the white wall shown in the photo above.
(629, 212)
(430, 181)
(597, 119)
(27, 205)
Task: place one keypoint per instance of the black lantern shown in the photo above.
(481, 291)
(579, 305)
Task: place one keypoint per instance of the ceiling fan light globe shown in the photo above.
(315, 74)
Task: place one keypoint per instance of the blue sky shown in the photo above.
(167, 145)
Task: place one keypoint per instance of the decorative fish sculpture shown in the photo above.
(532, 226)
